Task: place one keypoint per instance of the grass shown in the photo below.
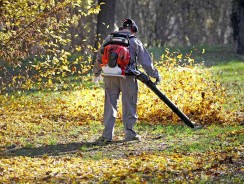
(177, 137)
(232, 72)
(231, 75)
(210, 55)
(169, 151)
(67, 152)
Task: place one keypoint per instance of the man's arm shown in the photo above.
(145, 60)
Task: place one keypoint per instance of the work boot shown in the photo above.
(136, 138)
(103, 140)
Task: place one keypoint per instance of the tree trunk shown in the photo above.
(240, 46)
(105, 19)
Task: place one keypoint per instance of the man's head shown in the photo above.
(130, 24)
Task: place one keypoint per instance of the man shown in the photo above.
(128, 86)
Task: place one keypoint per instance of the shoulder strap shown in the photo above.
(119, 38)
(121, 34)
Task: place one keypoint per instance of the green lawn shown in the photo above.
(231, 75)
(210, 55)
(231, 72)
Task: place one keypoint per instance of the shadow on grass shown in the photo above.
(154, 142)
(59, 149)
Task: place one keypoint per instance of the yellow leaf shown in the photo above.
(179, 56)
(50, 81)
(78, 48)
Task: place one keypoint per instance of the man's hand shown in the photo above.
(158, 80)
(97, 79)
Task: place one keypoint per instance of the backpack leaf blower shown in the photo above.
(147, 81)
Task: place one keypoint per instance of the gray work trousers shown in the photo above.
(129, 88)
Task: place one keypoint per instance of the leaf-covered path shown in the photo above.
(166, 154)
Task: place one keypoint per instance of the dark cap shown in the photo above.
(127, 23)
(130, 23)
